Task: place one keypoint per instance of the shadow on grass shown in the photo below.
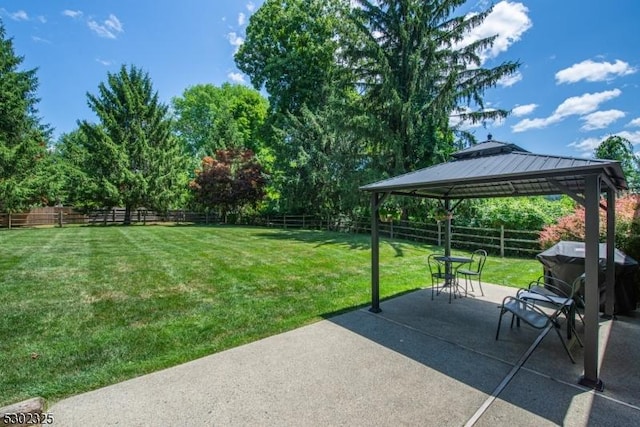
(320, 238)
(352, 241)
(317, 237)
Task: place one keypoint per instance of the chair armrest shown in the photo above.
(554, 300)
(554, 285)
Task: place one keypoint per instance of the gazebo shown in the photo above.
(498, 169)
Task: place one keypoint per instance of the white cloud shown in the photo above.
(510, 80)
(634, 123)
(594, 71)
(601, 119)
(20, 15)
(588, 144)
(114, 23)
(251, 6)
(110, 28)
(242, 18)
(100, 30)
(72, 13)
(104, 62)
(508, 20)
(574, 106)
(584, 104)
(537, 123)
(236, 77)
(633, 137)
(40, 40)
(523, 110)
(235, 39)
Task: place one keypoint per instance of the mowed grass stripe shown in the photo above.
(85, 307)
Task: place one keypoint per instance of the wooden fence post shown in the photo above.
(60, 218)
(502, 241)
(9, 221)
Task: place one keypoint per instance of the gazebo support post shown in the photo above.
(611, 245)
(592, 293)
(376, 201)
(447, 230)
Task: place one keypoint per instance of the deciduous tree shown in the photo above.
(618, 148)
(230, 181)
(209, 118)
(290, 51)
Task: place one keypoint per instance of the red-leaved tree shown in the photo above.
(230, 181)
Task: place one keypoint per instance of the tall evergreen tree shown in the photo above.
(73, 168)
(23, 140)
(132, 158)
(414, 71)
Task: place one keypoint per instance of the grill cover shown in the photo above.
(565, 261)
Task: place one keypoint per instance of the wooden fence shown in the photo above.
(497, 240)
(59, 217)
(501, 240)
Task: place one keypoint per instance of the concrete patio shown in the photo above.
(418, 362)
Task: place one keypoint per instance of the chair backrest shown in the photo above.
(479, 258)
(435, 266)
(559, 286)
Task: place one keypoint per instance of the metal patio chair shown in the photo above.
(551, 291)
(474, 271)
(537, 317)
(440, 279)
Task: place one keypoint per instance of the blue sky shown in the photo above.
(579, 81)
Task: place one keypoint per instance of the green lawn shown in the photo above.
(83, 307)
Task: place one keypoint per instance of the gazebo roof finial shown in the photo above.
(489, 137)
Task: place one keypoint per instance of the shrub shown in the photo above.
(571, 227)
(519, 213)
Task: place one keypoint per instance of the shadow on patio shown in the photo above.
(467, 367)
(419, 362)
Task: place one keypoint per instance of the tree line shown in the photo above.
(357, 91)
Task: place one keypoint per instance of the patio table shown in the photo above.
(449, 261)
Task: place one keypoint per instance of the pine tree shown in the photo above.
(133, 158)
(415, 71)
(23, 140)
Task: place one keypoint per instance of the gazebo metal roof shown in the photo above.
(498, 169)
